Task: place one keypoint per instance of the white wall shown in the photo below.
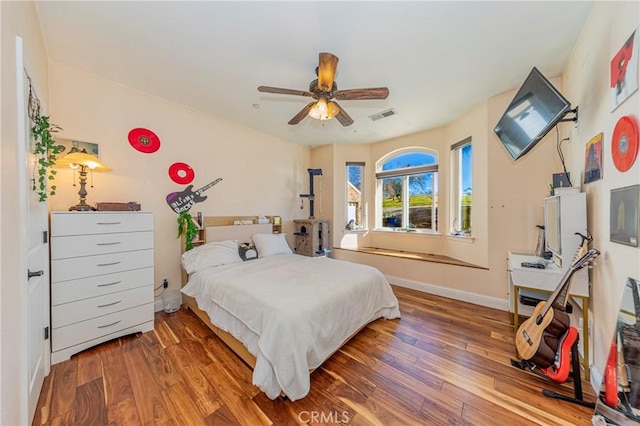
(586, 83)
(261, 174)
(17, 19)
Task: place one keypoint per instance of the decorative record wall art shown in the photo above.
(624, 71)
(183, 201)
(623, 215)
(181, 173)
(593, 159)
(624, 143)
(144, 140)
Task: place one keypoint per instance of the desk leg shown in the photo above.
(516, 315)
(585, 337)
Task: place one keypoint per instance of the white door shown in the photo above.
(35, 234)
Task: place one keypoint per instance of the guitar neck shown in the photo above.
(207, 186)
(563, 294)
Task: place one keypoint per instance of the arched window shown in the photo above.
(407, 191)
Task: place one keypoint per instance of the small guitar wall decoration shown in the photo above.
(183, 201)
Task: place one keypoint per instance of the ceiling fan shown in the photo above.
(323, 90)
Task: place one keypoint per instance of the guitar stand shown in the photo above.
(575, 373)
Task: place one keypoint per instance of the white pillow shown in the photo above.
(211, 254)
(271, 244)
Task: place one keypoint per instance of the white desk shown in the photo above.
(546, 281)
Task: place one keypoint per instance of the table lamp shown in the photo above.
(82, 161)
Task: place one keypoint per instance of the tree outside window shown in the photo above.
(408, 191)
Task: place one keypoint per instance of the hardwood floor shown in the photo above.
(444, 362)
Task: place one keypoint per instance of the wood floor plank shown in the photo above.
(181, 405)
(124, 412)
(146, 392)
(445, 362)
(233, 396)
(201, 391)
(90, 405)
(114, 374)
(43, 409)
(222, 417)
(89, 367)
(64, 388)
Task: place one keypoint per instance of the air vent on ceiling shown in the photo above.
(383, 114)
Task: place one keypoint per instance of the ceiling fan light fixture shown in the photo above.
(324, 110)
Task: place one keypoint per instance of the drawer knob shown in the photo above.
(108, 223)
(109, 325)
(108, 244)
(108, 284)
(108, 264)
(109, 304)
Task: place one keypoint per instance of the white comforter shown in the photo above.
(292, 311)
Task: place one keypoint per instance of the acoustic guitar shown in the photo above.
(530, 333)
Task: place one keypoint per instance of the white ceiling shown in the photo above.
(438, 59)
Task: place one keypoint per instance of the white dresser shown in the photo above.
(101, 278)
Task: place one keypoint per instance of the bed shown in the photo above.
(283, 314)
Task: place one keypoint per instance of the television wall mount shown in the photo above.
(574, 118)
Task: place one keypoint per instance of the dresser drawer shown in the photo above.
(84, 288)
(88, 266)
(74, 334)
(87, 245)
(82, 223)
(82, 310)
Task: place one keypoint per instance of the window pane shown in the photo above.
(410, 159)
(392, 202)
(421, 201)
(355, 219)
(467, 187)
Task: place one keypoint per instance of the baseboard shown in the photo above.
(465, 296)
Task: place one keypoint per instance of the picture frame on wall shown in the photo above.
(593, 159)
(623, 215)
(624, 71)
(68, 146)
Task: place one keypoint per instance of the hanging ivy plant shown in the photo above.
(45, 150)
(188, 227)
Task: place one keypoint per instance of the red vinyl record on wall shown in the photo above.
(181, 173)
(144, 140)
(624, 143)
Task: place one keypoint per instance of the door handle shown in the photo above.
(34, 274)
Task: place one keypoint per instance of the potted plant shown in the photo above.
(187, 227)
(45, 149)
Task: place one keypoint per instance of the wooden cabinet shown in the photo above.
(101, 278)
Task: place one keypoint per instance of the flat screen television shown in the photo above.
(536, 108)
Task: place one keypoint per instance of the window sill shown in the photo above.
(461, 238)
(405, 232)
(356, 231)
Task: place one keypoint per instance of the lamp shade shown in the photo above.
(324, 110)
(76, 159)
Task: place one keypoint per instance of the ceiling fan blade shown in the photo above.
(280, 91)
(370, 93)
(327, 66)
(302, 114)
(343, 117)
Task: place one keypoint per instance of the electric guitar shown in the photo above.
(559, 370)
(184, 200)
(530, 333)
